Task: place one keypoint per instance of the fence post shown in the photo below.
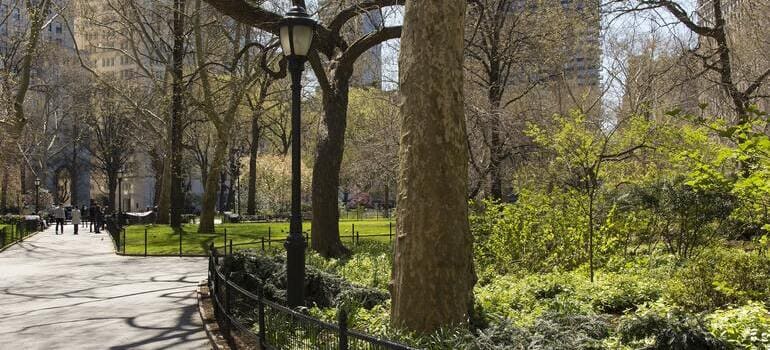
(228, 311)
(390, 231)
(343, 325)
(263, 243)
(261, 308)
(358, 238)
(225, 242)
(145, 241)
(231, 247)
(353, 233)
(180, 242)
(269, 237)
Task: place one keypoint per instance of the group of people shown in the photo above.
(95, 218)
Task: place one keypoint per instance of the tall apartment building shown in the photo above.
(581, 49)
(14, 24)
(55, 67)
(100, 36)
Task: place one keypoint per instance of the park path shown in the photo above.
(73, 292)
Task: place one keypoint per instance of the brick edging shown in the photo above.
(216, 339)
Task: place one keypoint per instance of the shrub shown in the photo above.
(322, 289)
(745, 327)
(658, 326)
(718, 277)
(537, 233)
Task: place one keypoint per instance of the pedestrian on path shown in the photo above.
(97, 218)
(83, 216)
(91, 216)
(58, 214)
(76, 218)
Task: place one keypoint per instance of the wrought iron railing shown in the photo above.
(269, 325)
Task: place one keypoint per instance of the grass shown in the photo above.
(162, 240)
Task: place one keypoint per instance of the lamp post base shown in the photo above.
(295, 269)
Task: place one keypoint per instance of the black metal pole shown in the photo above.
(295, 242)
(37, 198)
(120, 201)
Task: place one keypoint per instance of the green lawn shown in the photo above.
(161, 239)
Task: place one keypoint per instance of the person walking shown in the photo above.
(83, 216)
(75, 218)
(97, 218)
(58, 214)
(91, 216)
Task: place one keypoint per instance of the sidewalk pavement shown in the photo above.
(73, 292)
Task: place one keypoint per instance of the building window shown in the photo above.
(58, 28)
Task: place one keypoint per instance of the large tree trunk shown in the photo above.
(433, 274)
(164, 202)
(251, 201)
(209, 202)
(112, 190)
(326, 180)
(177, 113)
(4, 191)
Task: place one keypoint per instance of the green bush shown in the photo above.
(537, 233)
(718, 277)
(254, 271)
(658, 326)
(745, 327)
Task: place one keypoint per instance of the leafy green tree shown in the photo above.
(583, 148)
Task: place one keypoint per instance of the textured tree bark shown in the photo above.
(177, 114)
(326, 232)
(251, 201)
(164, 202)
(433, 274)
(210, 191)
(4, 192)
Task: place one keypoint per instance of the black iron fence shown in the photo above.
(16, 233)
(144, 245)
(265, 324)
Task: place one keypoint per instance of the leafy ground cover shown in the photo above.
(716, 301)
(161, 239)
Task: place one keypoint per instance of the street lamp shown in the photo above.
(120, 196)
(296, 31)
(37, 195)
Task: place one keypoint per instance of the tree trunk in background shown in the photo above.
(326, 231)
(164, 202)
(177, 113)
(209, 201)
(4, 192)
(433, 274)
(251, 201)
(222, 197)
(112, 189)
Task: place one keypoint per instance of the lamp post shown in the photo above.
(296, 32)
(37, 195)
(120, 197)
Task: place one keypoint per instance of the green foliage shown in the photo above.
(658, 326)
(745, 327)
(529, 235)
(684, 217)
(718, 277)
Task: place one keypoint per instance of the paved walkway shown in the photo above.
(73, 292)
